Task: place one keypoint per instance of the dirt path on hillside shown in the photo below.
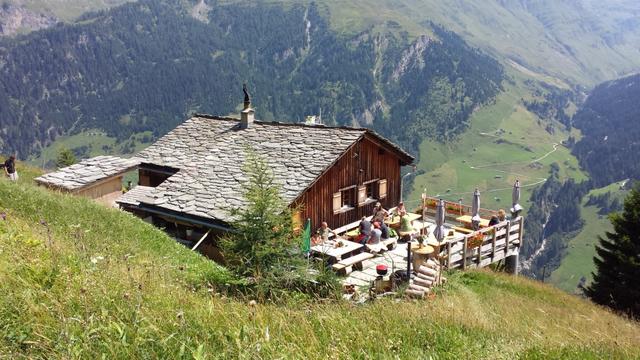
(537, 181)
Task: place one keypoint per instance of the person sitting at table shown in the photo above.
(379, 215)
(502, 215)
(405, 224)
(406, 228)
(376, 234)
(316, 240)
(324, 231)
(365, 231)
(400, 209)
(494, 221)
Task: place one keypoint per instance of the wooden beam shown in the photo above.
(493, 243)
(464, 254)
(506, 240)
(201, 240)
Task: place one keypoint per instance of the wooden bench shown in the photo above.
(390, 243)
(347, 265)
(462, 230)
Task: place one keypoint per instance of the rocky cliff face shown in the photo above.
(17, 19)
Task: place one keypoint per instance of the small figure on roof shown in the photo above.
(10, 168)
(247, 97)
(324, 231)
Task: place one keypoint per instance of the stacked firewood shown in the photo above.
(427, 276)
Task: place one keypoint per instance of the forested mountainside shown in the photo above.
(583, 42)
(145, 66)
(610, 123)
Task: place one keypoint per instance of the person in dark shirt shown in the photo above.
(10, 168)
(365, 230)
(494, 221)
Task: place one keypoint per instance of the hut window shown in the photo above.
(344, 200)
(371, 191)
(367, 193)
(382, 188)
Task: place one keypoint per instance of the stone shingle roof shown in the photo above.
(87, 172)
(210, 151)
(133, 196)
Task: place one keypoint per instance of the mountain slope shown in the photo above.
(145, 66)
(97, 282)
(582, 41)
(610, 124)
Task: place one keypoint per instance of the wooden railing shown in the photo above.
(454, 209)
(484, 247)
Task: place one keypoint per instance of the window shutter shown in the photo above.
(362, 195)
(337, 201)
(382, 190)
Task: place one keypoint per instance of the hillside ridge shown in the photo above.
(78, 280)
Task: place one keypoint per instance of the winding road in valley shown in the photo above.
(494, 166)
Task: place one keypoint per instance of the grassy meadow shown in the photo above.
(578, 261)
(96, 141)
(505, 142)
(67, 10)
(81, 281)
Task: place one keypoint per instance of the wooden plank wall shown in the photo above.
(375, 163)
(105, 192)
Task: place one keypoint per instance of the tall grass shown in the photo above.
(81, 281)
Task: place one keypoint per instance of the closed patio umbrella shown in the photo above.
(475, 210)
(439, 231)
(515, 197)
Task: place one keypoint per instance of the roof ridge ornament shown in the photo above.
(247, 114)
(247, 97)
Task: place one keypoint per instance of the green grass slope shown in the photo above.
(66, 10)
(578, 261)
(81, 281)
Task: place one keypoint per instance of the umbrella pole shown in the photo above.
(409, 261)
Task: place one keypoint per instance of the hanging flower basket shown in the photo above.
(453, 208)
(475, 240)
(432, 203)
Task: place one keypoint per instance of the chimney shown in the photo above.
(246, 116)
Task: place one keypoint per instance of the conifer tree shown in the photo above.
(65, 158)
(617, 277)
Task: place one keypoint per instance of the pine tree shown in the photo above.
(65, 158)
(615, 282)
(261, 246)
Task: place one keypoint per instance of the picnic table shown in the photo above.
(393, 221)
(466, 220)
(336, 253)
